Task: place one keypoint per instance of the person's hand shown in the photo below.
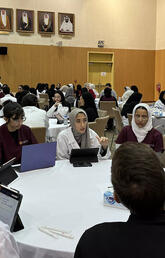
(103, 142)
(57, 103)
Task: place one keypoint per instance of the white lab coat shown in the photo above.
(66, 142)
(8, 246)
(7, 97)
(159, 105)
(35, 117)
(60, 110)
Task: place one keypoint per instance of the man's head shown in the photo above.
(6, 90)
(108, 85)
(138, 178)
(29, 100)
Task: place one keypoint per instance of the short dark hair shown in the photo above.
(6, 90)
(138, 178)
(29, 100)
(108, 92)
(13, 109)
(108, 85)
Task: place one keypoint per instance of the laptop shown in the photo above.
(37, 156)
(7, 173)
(83, 157)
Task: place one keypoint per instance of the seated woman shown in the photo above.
(60, 106)
(13, 134)
(79, 135)
(160, 104)
(87, 103)
(141, 129)
(128, 92)
(132, 101)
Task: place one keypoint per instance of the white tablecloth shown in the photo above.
(54, 129)
(63, 197)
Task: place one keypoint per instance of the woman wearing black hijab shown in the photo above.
(133, 100)
(160, 104)
(87, 103)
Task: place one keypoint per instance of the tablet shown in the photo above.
(10, 200)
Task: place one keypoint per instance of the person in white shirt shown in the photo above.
(160, 104)
(66, 25)
(60, 107)
(79, 135)
(8, 246)
(6, 91)
(35, 117)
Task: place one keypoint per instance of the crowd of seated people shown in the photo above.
(22, 112)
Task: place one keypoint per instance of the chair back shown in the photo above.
(43, 100)
(99, 125)
(108, 105)
(39, 133)
(129, 118)
(118, 119)
(102, 113)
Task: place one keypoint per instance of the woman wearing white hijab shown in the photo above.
(79, 135)
(141, 129)
(128, 92)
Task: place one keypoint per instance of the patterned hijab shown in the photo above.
(82, 139)
(142, 132)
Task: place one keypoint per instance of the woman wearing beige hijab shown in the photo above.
(79, 135)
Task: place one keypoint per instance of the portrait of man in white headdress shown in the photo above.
(25, 20)
(45, 22)
(6, 19)
(66, 23)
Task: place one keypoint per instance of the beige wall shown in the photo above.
(126, 24)
(160, 25)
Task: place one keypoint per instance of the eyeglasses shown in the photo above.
(138, 117)
(22, 119)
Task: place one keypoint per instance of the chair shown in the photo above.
(99, 125)
(43, 100)
(102, 113)
(39, 133)
(129, 118)
(119, 123)
(108, 105)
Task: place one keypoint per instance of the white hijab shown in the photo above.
(141, 132)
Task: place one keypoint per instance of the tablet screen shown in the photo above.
(8, 207)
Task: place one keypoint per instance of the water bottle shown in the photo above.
(65, 120)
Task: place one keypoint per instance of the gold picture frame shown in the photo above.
(24, 21)
(66, 24)
(46, 22)
(6, 19)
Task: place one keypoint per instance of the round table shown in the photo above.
(66, 198)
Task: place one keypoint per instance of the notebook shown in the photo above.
(37, 156)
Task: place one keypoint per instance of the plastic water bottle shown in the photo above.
(65, 120)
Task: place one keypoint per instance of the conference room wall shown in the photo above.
(160, 47)
(30, 64)
(123, 24)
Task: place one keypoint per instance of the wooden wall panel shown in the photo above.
(159, 71)
(30, 64)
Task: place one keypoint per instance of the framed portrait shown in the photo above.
(66, 24)
(24, 21)
(6, 19)
(46, 22)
